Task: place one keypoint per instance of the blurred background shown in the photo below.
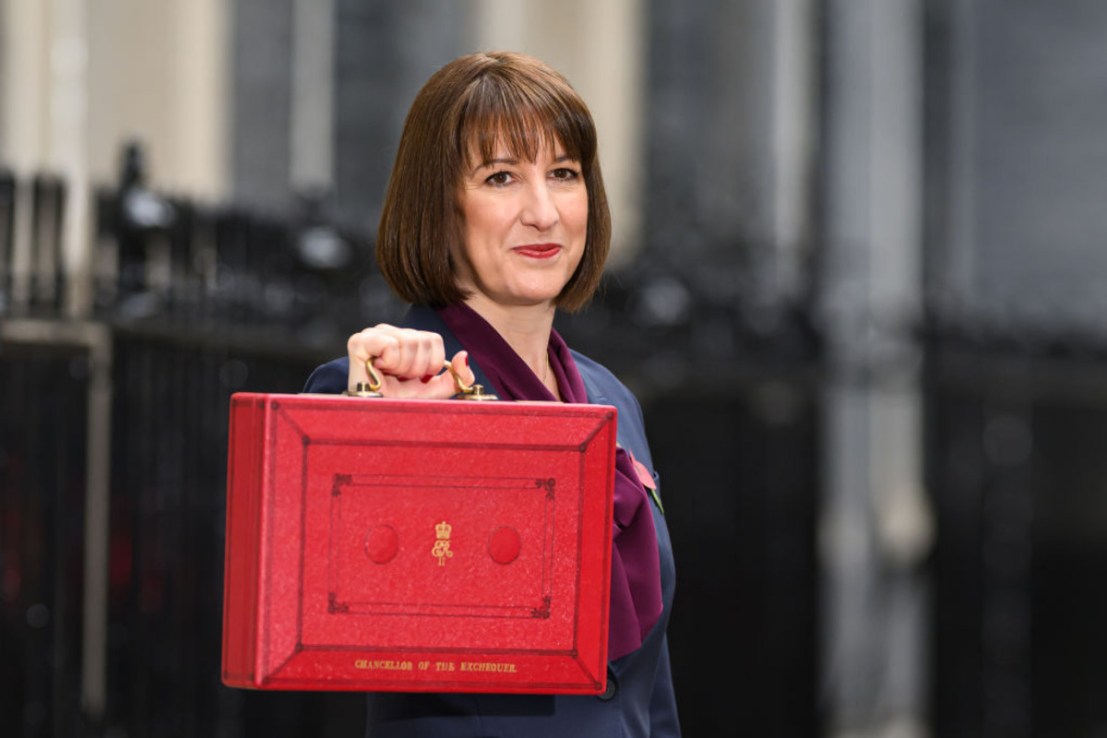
(857, 287)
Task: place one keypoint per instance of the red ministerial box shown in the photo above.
(417, 545)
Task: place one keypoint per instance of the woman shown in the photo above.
(495, 218)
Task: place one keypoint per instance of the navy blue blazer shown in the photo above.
(639, 701)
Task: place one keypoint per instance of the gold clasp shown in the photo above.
(467, 391)
(372, 388)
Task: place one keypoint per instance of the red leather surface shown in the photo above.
(417, 545)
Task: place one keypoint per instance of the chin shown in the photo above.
(528, 299)
(534, 295)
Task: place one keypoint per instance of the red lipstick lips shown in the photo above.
(538, 250)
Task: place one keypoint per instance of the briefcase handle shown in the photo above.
(373, 386)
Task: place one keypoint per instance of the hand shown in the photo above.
(409, 362)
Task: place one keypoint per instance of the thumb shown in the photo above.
(459, 367)
(456, 378)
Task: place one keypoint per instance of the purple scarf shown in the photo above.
(635, 569)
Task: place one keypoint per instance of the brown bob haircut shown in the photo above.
(469, 106)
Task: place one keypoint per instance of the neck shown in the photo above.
(526, 328)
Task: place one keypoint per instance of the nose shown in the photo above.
(540, 209)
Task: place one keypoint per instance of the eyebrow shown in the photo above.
(513, 160)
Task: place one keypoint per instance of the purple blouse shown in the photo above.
(635, 569)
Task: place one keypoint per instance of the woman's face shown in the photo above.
(525, 226)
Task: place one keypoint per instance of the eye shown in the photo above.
(565, 174)
(498, 179)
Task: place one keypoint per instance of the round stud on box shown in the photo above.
(382, 543)
(504, 545)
